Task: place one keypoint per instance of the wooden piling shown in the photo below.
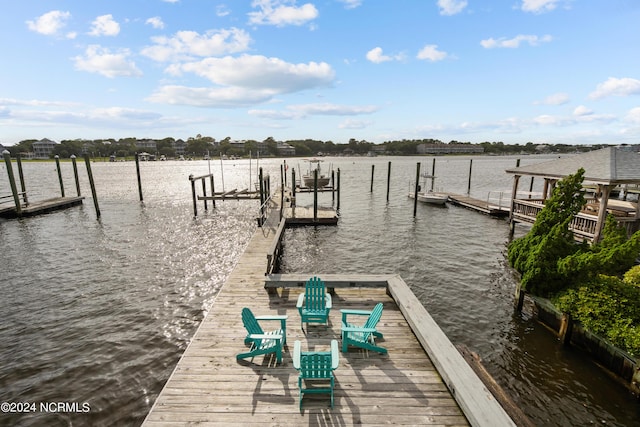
(333, 187)
(59, 174)
(23, 185)
(193, 195)
(315, 195)
(87, 161)
(262, 196)
(75, 174)
(293, 186)
(204, 193)
(519, 297)
(213, 189)
(140, 181)
(338, 205)
(388, 179)
(283, 178)
(469, 183)
(12, 182)
(372, 169)
(415, 190)
(566, 329)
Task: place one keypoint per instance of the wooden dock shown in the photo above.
(41, 207)
(423, 380)
(479, 205)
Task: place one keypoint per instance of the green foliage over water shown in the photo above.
(597, 285)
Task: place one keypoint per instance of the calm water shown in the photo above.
(99, 311)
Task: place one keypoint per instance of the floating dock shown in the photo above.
(41, 207)
(479, 205)
(423, 380)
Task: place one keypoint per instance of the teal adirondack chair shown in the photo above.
(316, 370)
(315, 303)
(362, 336)
(262, 342)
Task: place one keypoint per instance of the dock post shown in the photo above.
(433, 172)
(372, 169)
(262, 198)
(315, 195)
(12, 182)
(213, 190)
(388, 179)
(23, 186)
(519, 297)
(415, 190)
(139, 180)
(75, 174)
(193, 195)
(469, 184)
(283, 178)
(59, 174)
(293, 187)
(87, 161)
(338, 205)
(204, 193)
(566, 329)
(333, 187)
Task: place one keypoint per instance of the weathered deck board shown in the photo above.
(210, 387)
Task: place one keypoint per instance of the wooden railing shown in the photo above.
(583, 224)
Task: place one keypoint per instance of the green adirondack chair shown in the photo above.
(362, 336)
(315, 303)
(316, 370)
(262, 342)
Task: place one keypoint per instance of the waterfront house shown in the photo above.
(43, 149)
(605, 170)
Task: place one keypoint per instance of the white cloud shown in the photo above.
(260, 72)
(305, 110)
(281, 13)
(539, 6)
(431, 53)
(222, 10)
(155, 22)
(351, 4)
(228, 97)
(241, 81)
(555, 99)
(581, 110)
(354, 124)
(333, 109)
(50, 23)
(633, 115)
(619, 87)
(104, 26)
(515, 42)
(102, 61)
(451, 7)
(187, 44)
(375, 55)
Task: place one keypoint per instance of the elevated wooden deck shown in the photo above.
(208, 386)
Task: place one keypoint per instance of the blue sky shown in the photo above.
(517, 71)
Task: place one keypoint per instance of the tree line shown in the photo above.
(202, 145)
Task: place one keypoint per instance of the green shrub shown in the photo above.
(608, 307)
(632, 277)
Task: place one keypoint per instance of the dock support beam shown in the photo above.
(469, 183)
(75, 174)
(139, 180)
(59, 174)
(372, 169)
(388, 179)
(315, 195)
(415, 190)
(338, 206)
(12, 182)
(23, 186)
(87, 161)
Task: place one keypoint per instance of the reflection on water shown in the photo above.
(99, 311)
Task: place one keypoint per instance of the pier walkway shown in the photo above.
(411, 385)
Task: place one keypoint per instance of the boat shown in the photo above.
(308, 178)
(426, 193)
